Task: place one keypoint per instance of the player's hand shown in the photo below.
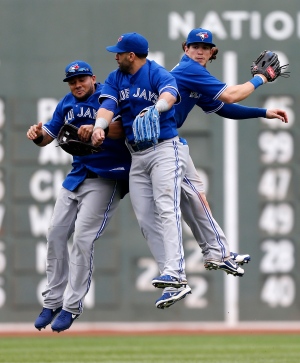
(85, 132)
(277, 113)
(116, 130)
(98, 136)
(35, 131)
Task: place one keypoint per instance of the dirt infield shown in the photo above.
(156, 328)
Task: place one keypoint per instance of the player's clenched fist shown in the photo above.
(35, 131)
(98, 136)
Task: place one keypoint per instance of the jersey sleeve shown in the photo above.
(238, 112)
(53, 126)
(110, 89)
(198, 79)
(208, 105)
(233, 110)
(163, 81)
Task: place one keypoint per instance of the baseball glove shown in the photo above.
(69, 141)
(268, 64)
(146, 126)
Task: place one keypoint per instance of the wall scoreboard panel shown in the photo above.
(31, 72)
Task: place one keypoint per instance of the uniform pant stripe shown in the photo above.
(102, 227)
(208, 215)
(104, 222)
(176, 206)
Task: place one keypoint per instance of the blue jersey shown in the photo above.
(112, 162)
(196, 87)
(132, 93)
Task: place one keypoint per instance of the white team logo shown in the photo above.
(202, 35)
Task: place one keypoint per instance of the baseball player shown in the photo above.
(198, 87)
(118, 91)
(157, 167)
(88, 199)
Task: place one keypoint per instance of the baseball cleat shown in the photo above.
(229, 266)
(170, 297)
(240, 259)
(46, 317)
(63, 321)
(168, 281)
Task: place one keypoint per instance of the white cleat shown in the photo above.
(240, 259)
(229, 266)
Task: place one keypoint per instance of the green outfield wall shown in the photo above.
(260, 213)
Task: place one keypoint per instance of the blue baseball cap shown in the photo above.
(200, 35)
(130, 42)
(77, 68)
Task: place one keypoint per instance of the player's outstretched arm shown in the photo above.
(266, 68)
(239, 92)
(240, 112)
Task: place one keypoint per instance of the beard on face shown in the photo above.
(125, 67)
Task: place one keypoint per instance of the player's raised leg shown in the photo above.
(209, 235)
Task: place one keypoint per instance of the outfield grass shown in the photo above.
(151, 349)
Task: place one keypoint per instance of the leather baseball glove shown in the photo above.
(146, 126)
(268, 64)
(69, 141)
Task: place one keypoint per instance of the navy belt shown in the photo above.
(91, 175)
(144, 145)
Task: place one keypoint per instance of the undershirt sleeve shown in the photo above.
(238, 112)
